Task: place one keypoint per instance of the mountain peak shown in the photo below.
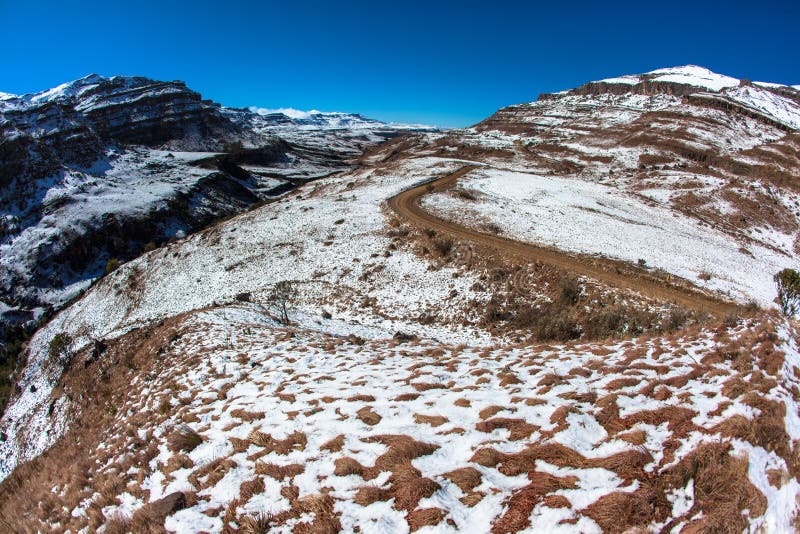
(692, 75)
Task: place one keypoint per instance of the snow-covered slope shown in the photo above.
(242, 424)
(670, 144)
(96, 168)
(596, 219)
(692, 75)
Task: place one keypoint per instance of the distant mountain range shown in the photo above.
(96, 168)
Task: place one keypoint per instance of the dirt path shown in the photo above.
(612, 272)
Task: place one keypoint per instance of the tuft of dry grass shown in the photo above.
(255, 524)
(251, 487)
(466, 478)
(244, 415)
(519, 429)
(184, 438)
(295, 441)
(522, 502)
(424, 517)
(490, 411)
(368, 416)
(367, 495)
(408, 491)
(433, 420)
(347, 466)
(334, 445)
(620, 511)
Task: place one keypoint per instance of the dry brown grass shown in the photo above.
(408, 489)
(211, 473)
(722, 488)
(333, 445)
(519, 429)
(150, 517)
(184, 438)
(251, 487)
(278, 472)
(255, 524)
(244, 415)
(295, 441)
(347, 466)
(361, 398)
(424, 517)
(368, 416)
(366, 495)
(490, 411)
(634, 437)
(425, 386)
(466, 478)
(433, 420)
(619, 511)
(521, 504)
(326, 520)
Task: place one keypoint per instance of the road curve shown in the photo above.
(612, 272)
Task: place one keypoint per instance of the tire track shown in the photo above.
(611, 272)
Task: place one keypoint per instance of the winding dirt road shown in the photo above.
(612, 272)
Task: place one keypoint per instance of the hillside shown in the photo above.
(472, 344)
(98, 168)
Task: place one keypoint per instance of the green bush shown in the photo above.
(59, 345)
(112, 265)
(787, 282)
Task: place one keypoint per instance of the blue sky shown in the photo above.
(447, 63)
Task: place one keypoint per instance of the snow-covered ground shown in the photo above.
(330, 239)
(585, 217)
(398, 437)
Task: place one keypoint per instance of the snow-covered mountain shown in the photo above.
(96, 168)
(501, 355)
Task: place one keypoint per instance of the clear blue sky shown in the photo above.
(449, 63)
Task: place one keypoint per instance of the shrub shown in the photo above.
(112, 265)
(465, 194)
(443, 246)
(787, 282)
(557, 326)
(59, 345)
(149, 247)
(642, 262)
(281, 299)
(675, 319)
(569, 290)
(604, 324)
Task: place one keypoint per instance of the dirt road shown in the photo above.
(612, 272)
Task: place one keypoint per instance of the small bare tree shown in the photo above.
(281, 299)
(787, 282)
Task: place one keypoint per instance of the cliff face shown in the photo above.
(96, 168)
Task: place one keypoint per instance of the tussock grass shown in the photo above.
(184, 438)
